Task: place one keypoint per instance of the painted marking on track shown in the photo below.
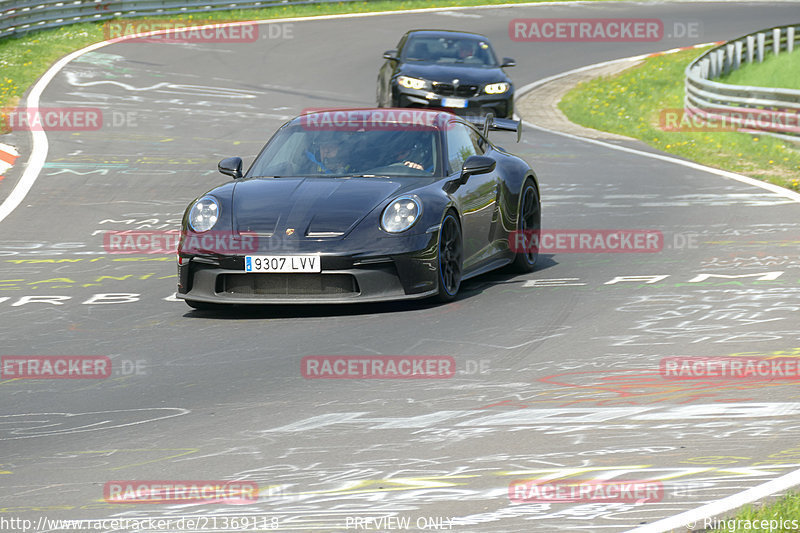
(40, 142)
(736, 500)
(32, 425)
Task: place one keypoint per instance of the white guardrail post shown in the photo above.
(766, 110)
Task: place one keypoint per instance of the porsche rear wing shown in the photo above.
(492, 123)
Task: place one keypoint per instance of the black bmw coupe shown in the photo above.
(360, 205)
(456, 71)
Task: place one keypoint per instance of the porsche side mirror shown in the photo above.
(390, 54)
(231, 166)
(508, 62)
(476, 164)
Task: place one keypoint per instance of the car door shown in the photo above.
(477, 197)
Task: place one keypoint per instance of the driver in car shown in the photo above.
(331, 158)
(410, 153)
(405, 157)
(466, 50)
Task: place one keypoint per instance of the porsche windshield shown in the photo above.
(298, 150)
(443, 50)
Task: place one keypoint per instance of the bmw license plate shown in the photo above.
(282, 264)
(454, 102)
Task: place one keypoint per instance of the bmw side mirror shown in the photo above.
(508, 62)
(231, 166)
(476, 164)
(390, 54)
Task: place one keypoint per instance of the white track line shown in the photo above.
(693, 517)
(786, 193)
(40, 148)
(40, 144)
(696, 517)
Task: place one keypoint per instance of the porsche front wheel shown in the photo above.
(450, 257)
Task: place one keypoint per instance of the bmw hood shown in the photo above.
(448, 72)
(308, 207)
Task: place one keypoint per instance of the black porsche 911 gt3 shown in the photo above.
(457, 71)
(360, 205)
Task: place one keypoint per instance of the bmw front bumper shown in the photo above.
(501, 105)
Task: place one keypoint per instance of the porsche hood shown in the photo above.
(308, 207)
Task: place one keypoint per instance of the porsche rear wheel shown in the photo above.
(529, 227)
(450, 258)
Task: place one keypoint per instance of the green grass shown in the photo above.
(24, 59)
(785, 509)
(782, 70)
(631, 104)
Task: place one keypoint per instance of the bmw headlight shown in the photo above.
(411, 83)
(401, 214)
(204, 214)
(497, 88)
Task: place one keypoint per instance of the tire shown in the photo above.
(449, 258)
(206, 306)
(529, 223)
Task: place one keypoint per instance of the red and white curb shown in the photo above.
(8, 155)
(682, 48)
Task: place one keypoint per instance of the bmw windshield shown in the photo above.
(444, 50)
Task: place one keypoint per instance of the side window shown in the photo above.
(479, 141)
(460, 145)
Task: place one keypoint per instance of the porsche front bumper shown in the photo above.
(343, 279)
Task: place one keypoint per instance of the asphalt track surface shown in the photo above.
(555, 379)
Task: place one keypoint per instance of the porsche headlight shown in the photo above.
(497, 88)
(411, 83)
(204, 214)
(401, 214)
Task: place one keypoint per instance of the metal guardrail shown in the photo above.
(770, 111)
(19, 17)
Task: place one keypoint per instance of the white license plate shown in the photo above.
(282, 264)
(454, 102)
